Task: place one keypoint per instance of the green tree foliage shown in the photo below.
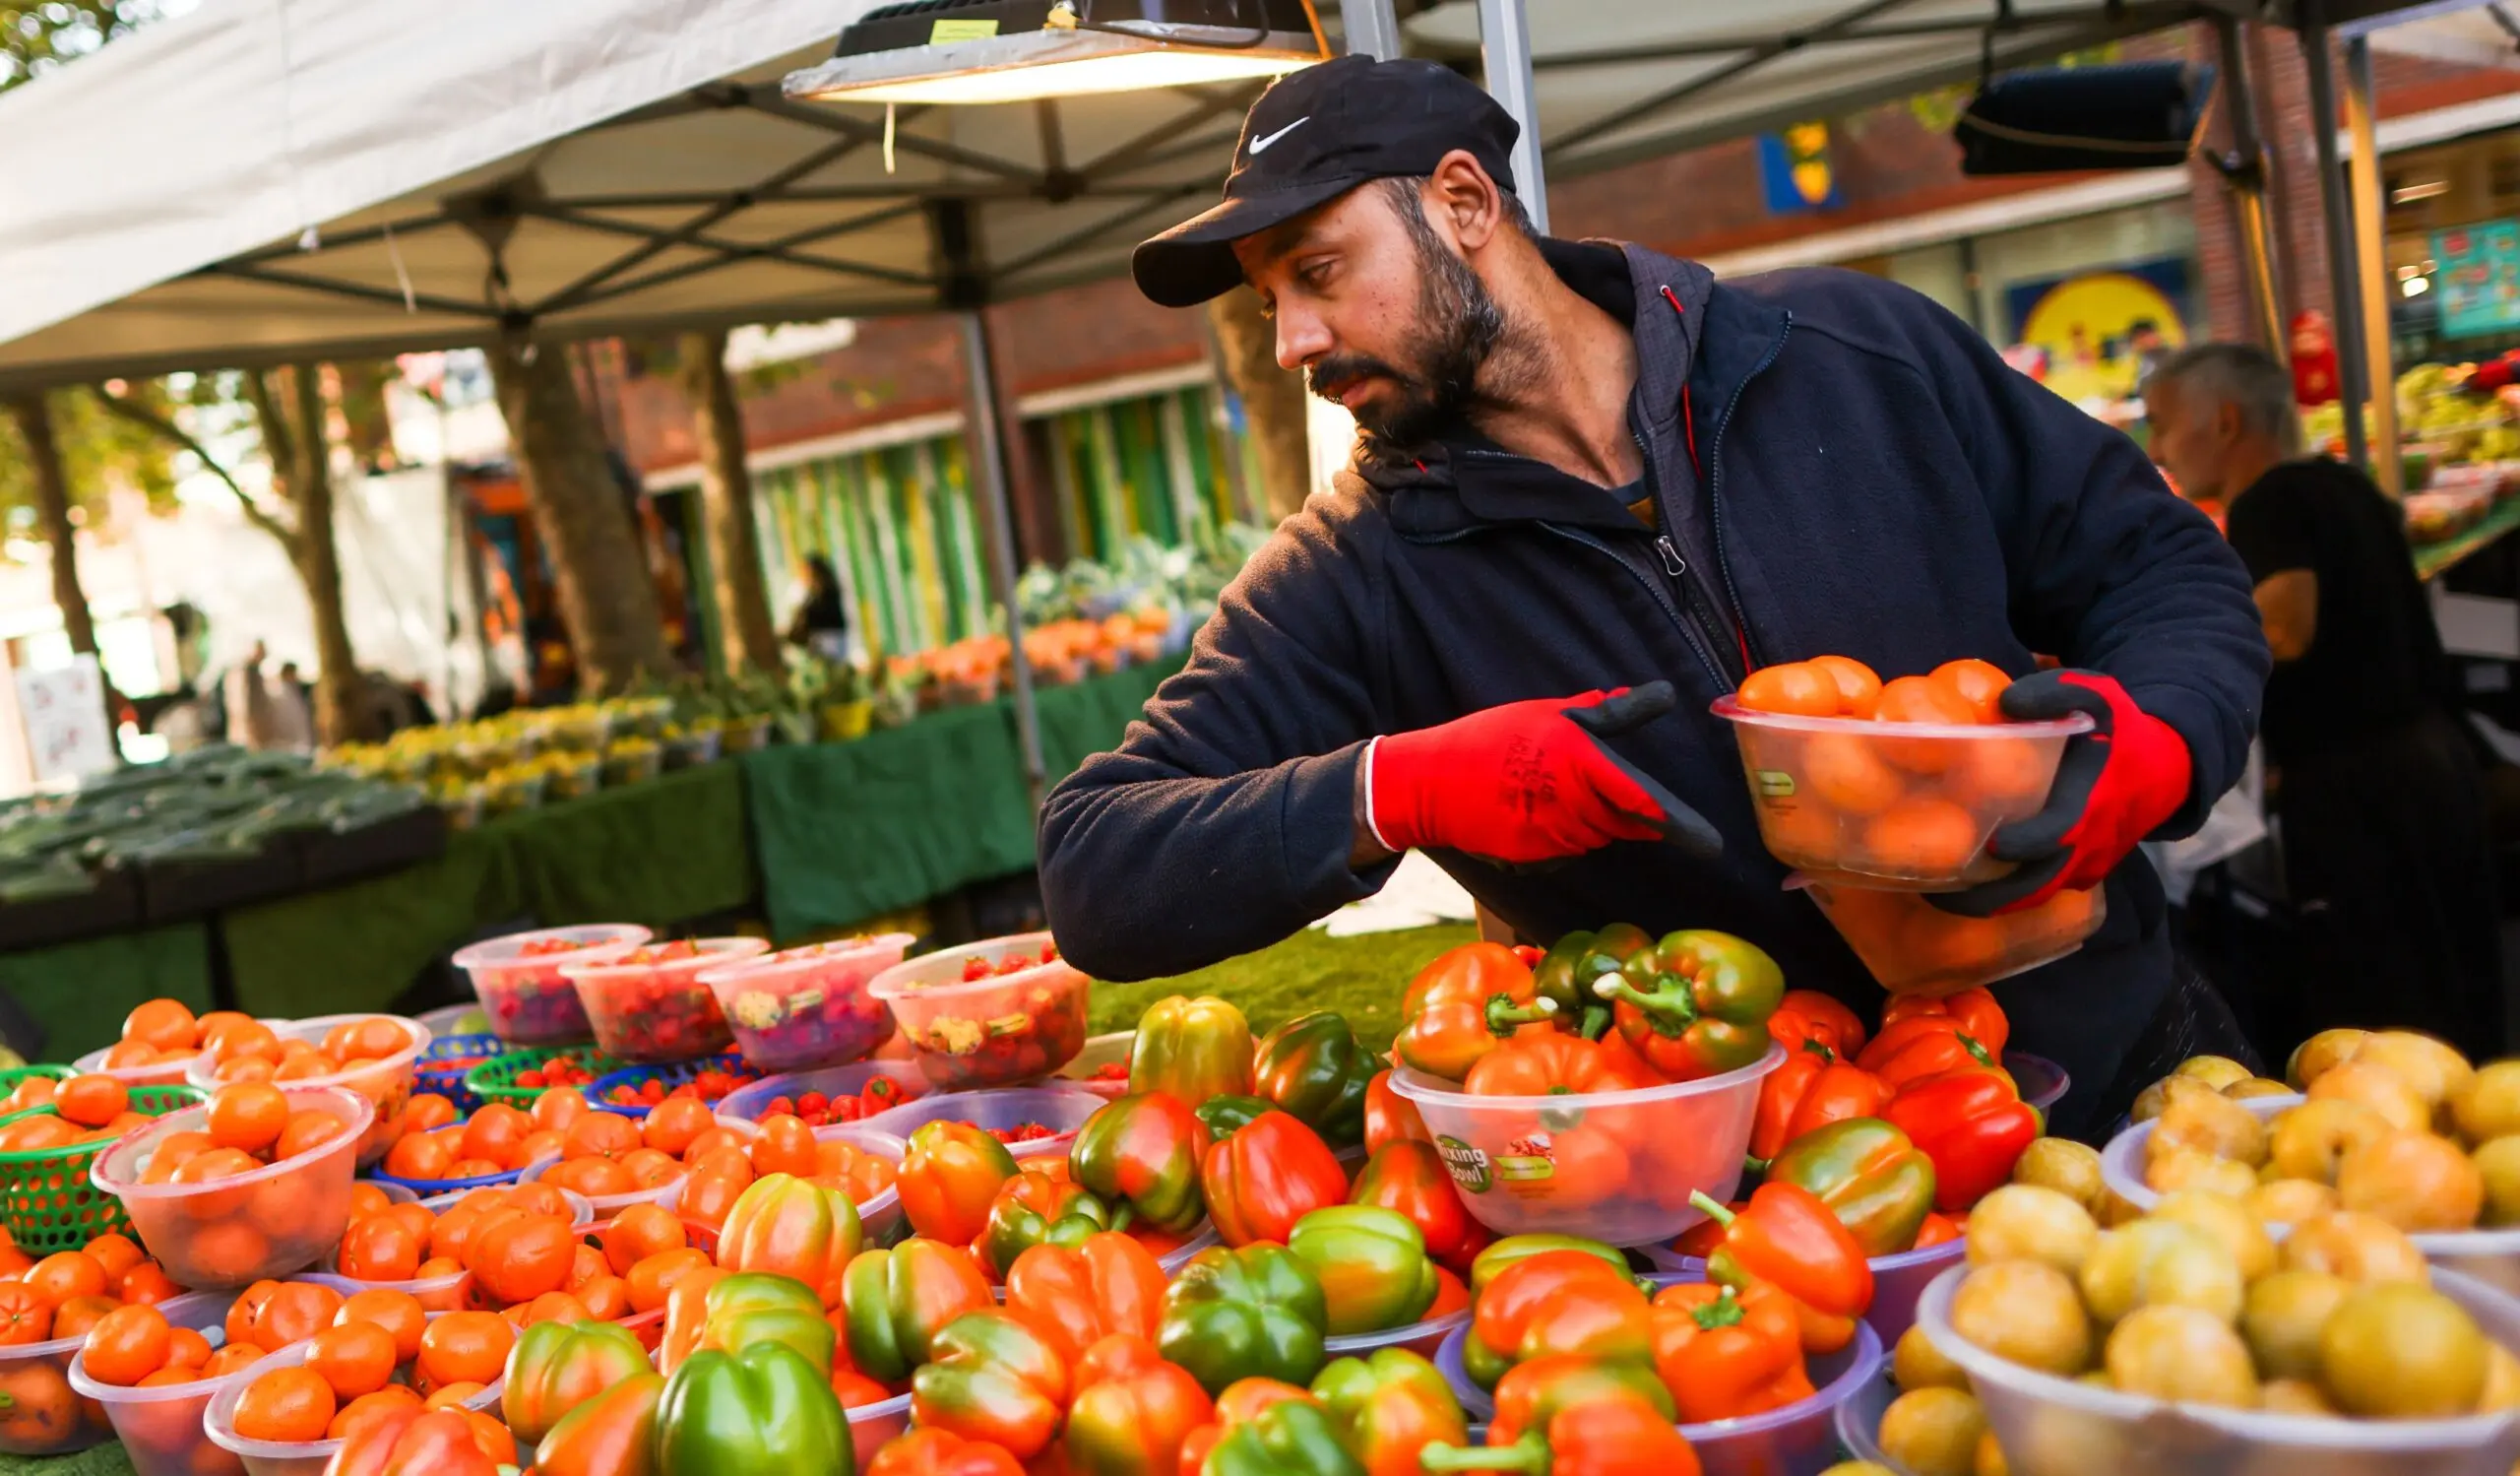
(33, 39)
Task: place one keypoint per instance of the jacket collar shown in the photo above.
(1687, 329)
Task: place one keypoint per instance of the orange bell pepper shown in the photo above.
(1726, 1354)
(1809, 1015)
(1812, 1090)
(1463, 1004)
(1556, 1301)
(1979, 1017)
(1923, 1046)
(1791, 1237)
(1552, 1064)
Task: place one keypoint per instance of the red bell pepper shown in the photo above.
(1923, 1046)
(1266, 1175)
(1938, 1230)
(1391, 1117)
(1726, 1354)
(941, 1452)
(1978, 1016)
(993, 1378)
(1410, 1177)
(1809, 1015)
(1131, 1411)
(1812, 1090)
(1556, 1301)
(1973, 1128)
(1788, 1236)
(1075, 1295)
(1462, 1005)
(1577, 1417)
(1554, 1064)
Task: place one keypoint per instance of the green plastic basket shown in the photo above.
(46, 1199)
(11, 1076)
(495, 1080)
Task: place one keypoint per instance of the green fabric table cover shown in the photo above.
(79, 992)
(675, 848)
(846, 831)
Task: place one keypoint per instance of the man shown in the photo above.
(2375, 786)
(1589, 468)
(253, 717)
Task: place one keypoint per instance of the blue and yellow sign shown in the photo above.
(1794, 171)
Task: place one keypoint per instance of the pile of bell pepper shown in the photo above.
(1611, 1010)
(1898, 1133)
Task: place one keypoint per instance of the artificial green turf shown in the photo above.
(108, 1460)
(1360, 976)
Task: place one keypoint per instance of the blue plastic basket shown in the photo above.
(673, 1075)
(447, 1081)
(424, 1188)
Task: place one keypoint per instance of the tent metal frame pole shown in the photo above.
(988, 470)
(2353, 385)
(1372, 29)
(2371, 274)
(2244, 174)
(1505, 41)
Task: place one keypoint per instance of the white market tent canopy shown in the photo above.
(259, 182)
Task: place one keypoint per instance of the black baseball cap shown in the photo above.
(1313, 136)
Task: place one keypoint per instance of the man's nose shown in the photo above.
(1301, 339)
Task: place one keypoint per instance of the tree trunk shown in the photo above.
(607, 598)
(1273, 401)
(52, 513)
(746, 631)
(319, 561)
(365, 424)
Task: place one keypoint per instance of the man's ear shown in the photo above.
(2228, 426)
(1463, 198)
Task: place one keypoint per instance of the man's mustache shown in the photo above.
(1326, 377)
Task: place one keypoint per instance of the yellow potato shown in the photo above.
(2209, 1122)
(2357, 1247)
(2313, 1058)
(2415, 1181)
(2376, 1087)
(2488, 1106)
(2224, 1218)
(2311, 1140)
(2215, 1071)
(2436, 1070)
(2287, 1201)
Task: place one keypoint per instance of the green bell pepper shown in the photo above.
(1566, 974)
(757, 1307)
(1225, 1116)
(1140, 1156)
(1492, 1262)
(1192, 1050)
(1035, 1210)
(1312, 1069)
(1291, 1439)
(1371, 1263)
(1696, 1004)
(1234, 1314)
(894, 1302)
(1877, 1182)
(1390, 1405)
(763, 1409)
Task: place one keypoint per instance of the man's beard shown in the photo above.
(1458, 325)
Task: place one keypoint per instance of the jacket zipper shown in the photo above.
(1690, 631)
(1715, 477)
(1698, 619)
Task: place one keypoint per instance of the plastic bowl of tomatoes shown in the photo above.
(1913, 947)
(218, 1211)
(159, 1424)
(991, 1013)
(161, 1040)
(1032, 1121)
(807, 1007)
(1890, 785)
(471, 1354)
(373, 1054)
(648, 1004)
(518, 982)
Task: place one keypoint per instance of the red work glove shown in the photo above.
(2118, 784)
(1528, 782)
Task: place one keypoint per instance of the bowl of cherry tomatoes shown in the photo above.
(1890, 785)
(518, 982)
(991, 1013)
(648, 1004)
(254, 1183)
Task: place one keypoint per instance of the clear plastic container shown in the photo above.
(1422, 1338)
(1896, 1280)
(872, 1427)
(528, 1001)
(165, 1073)
(808, 1007)
(1476, 1402)
(455, 1019)
(659, 1012)
(581, 1208)
(879, 1217)
(161, 1428)
(296, 1459)
(607, 1206)
(1203, 1236)
(1060, 1108)
(1618, 1167)
(745, 1104)
(2055, 1426)
(1907, 805)
(1913, 947)
(232, 1232)
(1107, 1049)
(386, 1082)
(2040, 1081)
(46, 1416)
(2491, 1256)
(433, 1293)
(1860, 1422)
(989, 1032)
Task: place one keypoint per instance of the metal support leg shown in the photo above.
(989, 473)
(2244, 173)
(2372, 279)
(2353, 383)
(1372, 29)
(1505, 37)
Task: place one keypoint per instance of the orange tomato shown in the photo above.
(586, 1263)
(165, 1024)
(116, 1254)
(399, 1313)
(786, 1146)
(605, 1135)
(284, 1405)
(712, 1193)
(172, 1152)
(354, 1358)
(147, 1283)
(93, 1100)
(540, 1145)
(417, 1155)
(248, 1114)
(1937, 942)
(371, 1038)
(650, 1168)
(370, 1406)
(309, 1066)
(186, 1348)
(1920, 838)
(29, 1135)
(1846, 774)
(540, 1199)
(606, 1299)
(76, 1317)
(672, 1124)
(368, 1200)
(242, 1040)
(1919, 699)
(451, 1395)
(2009, 773)
(494, 1132)
(65, 1274)
(1859, 687)
(38, 1410)
(1977, 684)
(1795, 687)
(559, 1107)
(639, 1232)
(218, 1020)
(653, 1278)
(520, 1258)
(427, 1112)
(248, 1306)
(381, 1247)
(33, 1091)
(172, 1375)
(122, 1057)
(595, 1178)
(555, 1307)
(464, 1347)
(295, 1312)
(25, 1317)
(305, 1132)
(248, 1068)
(712, 1140)
(229, 1359)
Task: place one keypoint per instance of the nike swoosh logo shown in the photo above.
(1261, 144)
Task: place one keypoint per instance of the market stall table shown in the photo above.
(2433, 560)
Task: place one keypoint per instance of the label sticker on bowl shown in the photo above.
(1468, 1165)
(1527, 1163)
(1776, 783)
